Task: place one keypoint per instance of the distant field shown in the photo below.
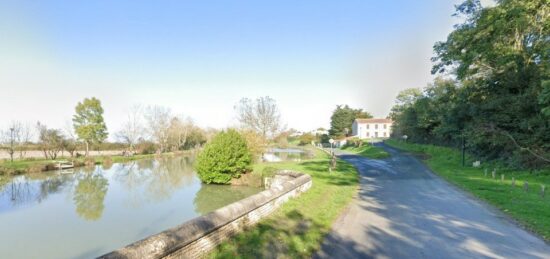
(528, 207)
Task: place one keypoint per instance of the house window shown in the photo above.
(375, 126)
(384, 134)
(367, 134)
(376, 134)
(384, 126)
(367, 126)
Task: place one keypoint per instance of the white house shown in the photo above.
(371, 128)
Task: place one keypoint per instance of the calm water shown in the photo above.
(286, 154)
(92, 211)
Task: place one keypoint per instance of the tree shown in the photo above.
(261, 115)
(178, 132)
(499, 102)
(158, 125)
(88, 122)
(50, 140)
(226, 157)
(11, 136)
(342, 119)
(132, 128)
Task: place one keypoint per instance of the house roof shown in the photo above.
(374, 121)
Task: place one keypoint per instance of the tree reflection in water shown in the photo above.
(89, 195)
(155, 180)
(24, 189)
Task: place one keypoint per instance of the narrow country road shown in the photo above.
(402, 210)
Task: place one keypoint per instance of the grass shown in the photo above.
(368, 151)
(297, 229)
(528, 208)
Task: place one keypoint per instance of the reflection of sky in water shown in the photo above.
(285, 154)
(95, 210)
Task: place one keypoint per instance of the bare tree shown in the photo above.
(11, 137)
(26, 133)
(261, 115)
(50, 140)
(158, 124)
(70, 142)
(132, 129)
(179, 130)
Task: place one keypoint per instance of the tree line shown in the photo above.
(145, 129)
(492, 93)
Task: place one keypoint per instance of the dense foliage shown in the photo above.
(498, 99)
(227, 156)
(88, 122)
(342, 119)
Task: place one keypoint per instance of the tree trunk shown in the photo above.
(87, 148)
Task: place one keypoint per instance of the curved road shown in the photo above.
(402, 210)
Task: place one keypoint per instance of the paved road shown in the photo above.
(402, 210)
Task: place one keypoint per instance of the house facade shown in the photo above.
(371, 128)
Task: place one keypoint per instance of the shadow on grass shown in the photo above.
(344, 174)
(287, 234)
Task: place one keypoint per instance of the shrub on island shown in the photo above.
(227, 156)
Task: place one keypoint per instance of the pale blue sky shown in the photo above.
(201, 57)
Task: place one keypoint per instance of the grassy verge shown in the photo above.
(299, 226)
(528, 207)
(368, 151)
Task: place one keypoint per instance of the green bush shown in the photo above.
(227, 156)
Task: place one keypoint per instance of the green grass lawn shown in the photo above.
(527, 207)
(368, 150)
(299, 226)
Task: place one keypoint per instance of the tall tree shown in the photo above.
(158, 124)
(342, 119)
(132, 128)
(88, 122)
(500, 101)
(261, 115)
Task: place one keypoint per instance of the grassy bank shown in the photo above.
(368, 151)
(39, 165)
(526, 206)
(298, 227)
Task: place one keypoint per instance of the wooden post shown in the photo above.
(485, 172)
(513, 182)
(526, 186)
(542, 189)
(494, 173)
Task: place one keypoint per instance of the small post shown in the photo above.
(502, 178)
(526, 186)
(463, 151)
(494, 173)
(513, 182)
(485, 172)
(542, 189)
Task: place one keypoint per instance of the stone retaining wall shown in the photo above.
(200, 235)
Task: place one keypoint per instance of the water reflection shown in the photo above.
(147, 196)
(286, 154)
(154, 180)
(89, 195)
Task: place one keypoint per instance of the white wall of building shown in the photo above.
(371, 130)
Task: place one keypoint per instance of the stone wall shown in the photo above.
(200, 235)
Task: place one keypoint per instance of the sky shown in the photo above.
(200, 57)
